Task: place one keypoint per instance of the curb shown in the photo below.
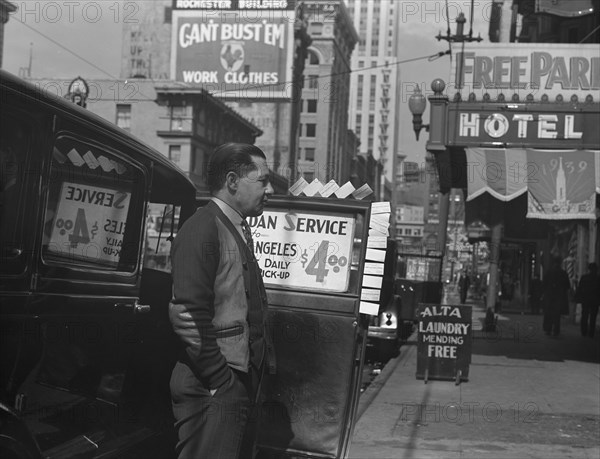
(367, 397)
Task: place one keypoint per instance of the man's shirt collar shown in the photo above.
(233, 215)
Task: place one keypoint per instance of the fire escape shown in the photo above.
(384, 112)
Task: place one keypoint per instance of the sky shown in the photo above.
(83, 38)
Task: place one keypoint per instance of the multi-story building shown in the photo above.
(204, 50)
(552, 48)
(5, 9)
(409, 225)
(325, 150)
(184, 126)
(374, 107)
(545, 21)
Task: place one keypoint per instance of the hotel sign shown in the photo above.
(524, 69)
(540, 125)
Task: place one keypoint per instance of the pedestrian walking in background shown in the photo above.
(219, 311)
(556, 297)
(588, 294)
(463, 286)
(535, 295)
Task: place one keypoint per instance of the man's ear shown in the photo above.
(232, 180)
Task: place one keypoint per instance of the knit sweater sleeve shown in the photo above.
(195, 260)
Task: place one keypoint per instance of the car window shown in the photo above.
(161, 229)
(90, 218)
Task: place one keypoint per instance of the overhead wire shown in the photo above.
(589, 35)
(60, 45)
(430, 58)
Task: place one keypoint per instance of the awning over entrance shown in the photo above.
(565, 8)
(560, 184)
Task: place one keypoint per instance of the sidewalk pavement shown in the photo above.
(528, 396)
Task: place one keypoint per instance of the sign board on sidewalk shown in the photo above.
(444, 342)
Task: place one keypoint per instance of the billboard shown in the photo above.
(231, 5)
(527, 68)
(242, 53)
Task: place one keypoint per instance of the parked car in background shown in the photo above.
(385, 329)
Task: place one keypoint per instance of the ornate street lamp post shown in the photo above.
(416, 105)
(436, 144)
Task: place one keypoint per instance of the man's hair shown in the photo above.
(230, 157)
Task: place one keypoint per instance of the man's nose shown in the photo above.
(269, 189)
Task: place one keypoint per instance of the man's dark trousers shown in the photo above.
(589, 312)
(215, 426)
(552, 321)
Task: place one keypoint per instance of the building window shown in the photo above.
(177, 116)
(309, 154)
(198, 163)
(311, 130)
(168, 14)
(313, 81)
(311, 106)
(313, 58)
(175, 153)
(316, 28)
(124, 116)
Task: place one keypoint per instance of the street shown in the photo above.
(528, 395)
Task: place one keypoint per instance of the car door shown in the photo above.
(312, 256)
(84, 305)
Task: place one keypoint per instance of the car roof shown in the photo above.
(168, 179)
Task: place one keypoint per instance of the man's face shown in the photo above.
(254, 189)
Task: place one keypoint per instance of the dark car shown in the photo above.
(86, 343)
(87, 346)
